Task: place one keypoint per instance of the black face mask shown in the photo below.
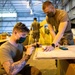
(21, 40)
(50, 14)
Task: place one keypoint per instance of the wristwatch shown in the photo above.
(53, 45)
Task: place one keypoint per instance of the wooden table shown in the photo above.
(59, 56)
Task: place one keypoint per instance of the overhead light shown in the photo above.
(8, 14)
(31, 12)
(28, 6)
(26, 3)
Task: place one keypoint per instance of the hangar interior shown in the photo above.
(12, 11)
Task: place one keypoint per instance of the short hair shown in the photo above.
(35, 19)
(20, 27)
(45, 4)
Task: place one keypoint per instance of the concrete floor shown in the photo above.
(46, 66)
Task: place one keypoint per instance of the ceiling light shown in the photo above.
(8, 14)
(28, 6)
(31, 12)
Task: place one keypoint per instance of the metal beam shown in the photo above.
(17, 20)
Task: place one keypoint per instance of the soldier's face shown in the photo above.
(49, 11)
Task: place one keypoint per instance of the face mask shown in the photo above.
(21, 40)
(50, 14)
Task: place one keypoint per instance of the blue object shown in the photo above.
(63, 48)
